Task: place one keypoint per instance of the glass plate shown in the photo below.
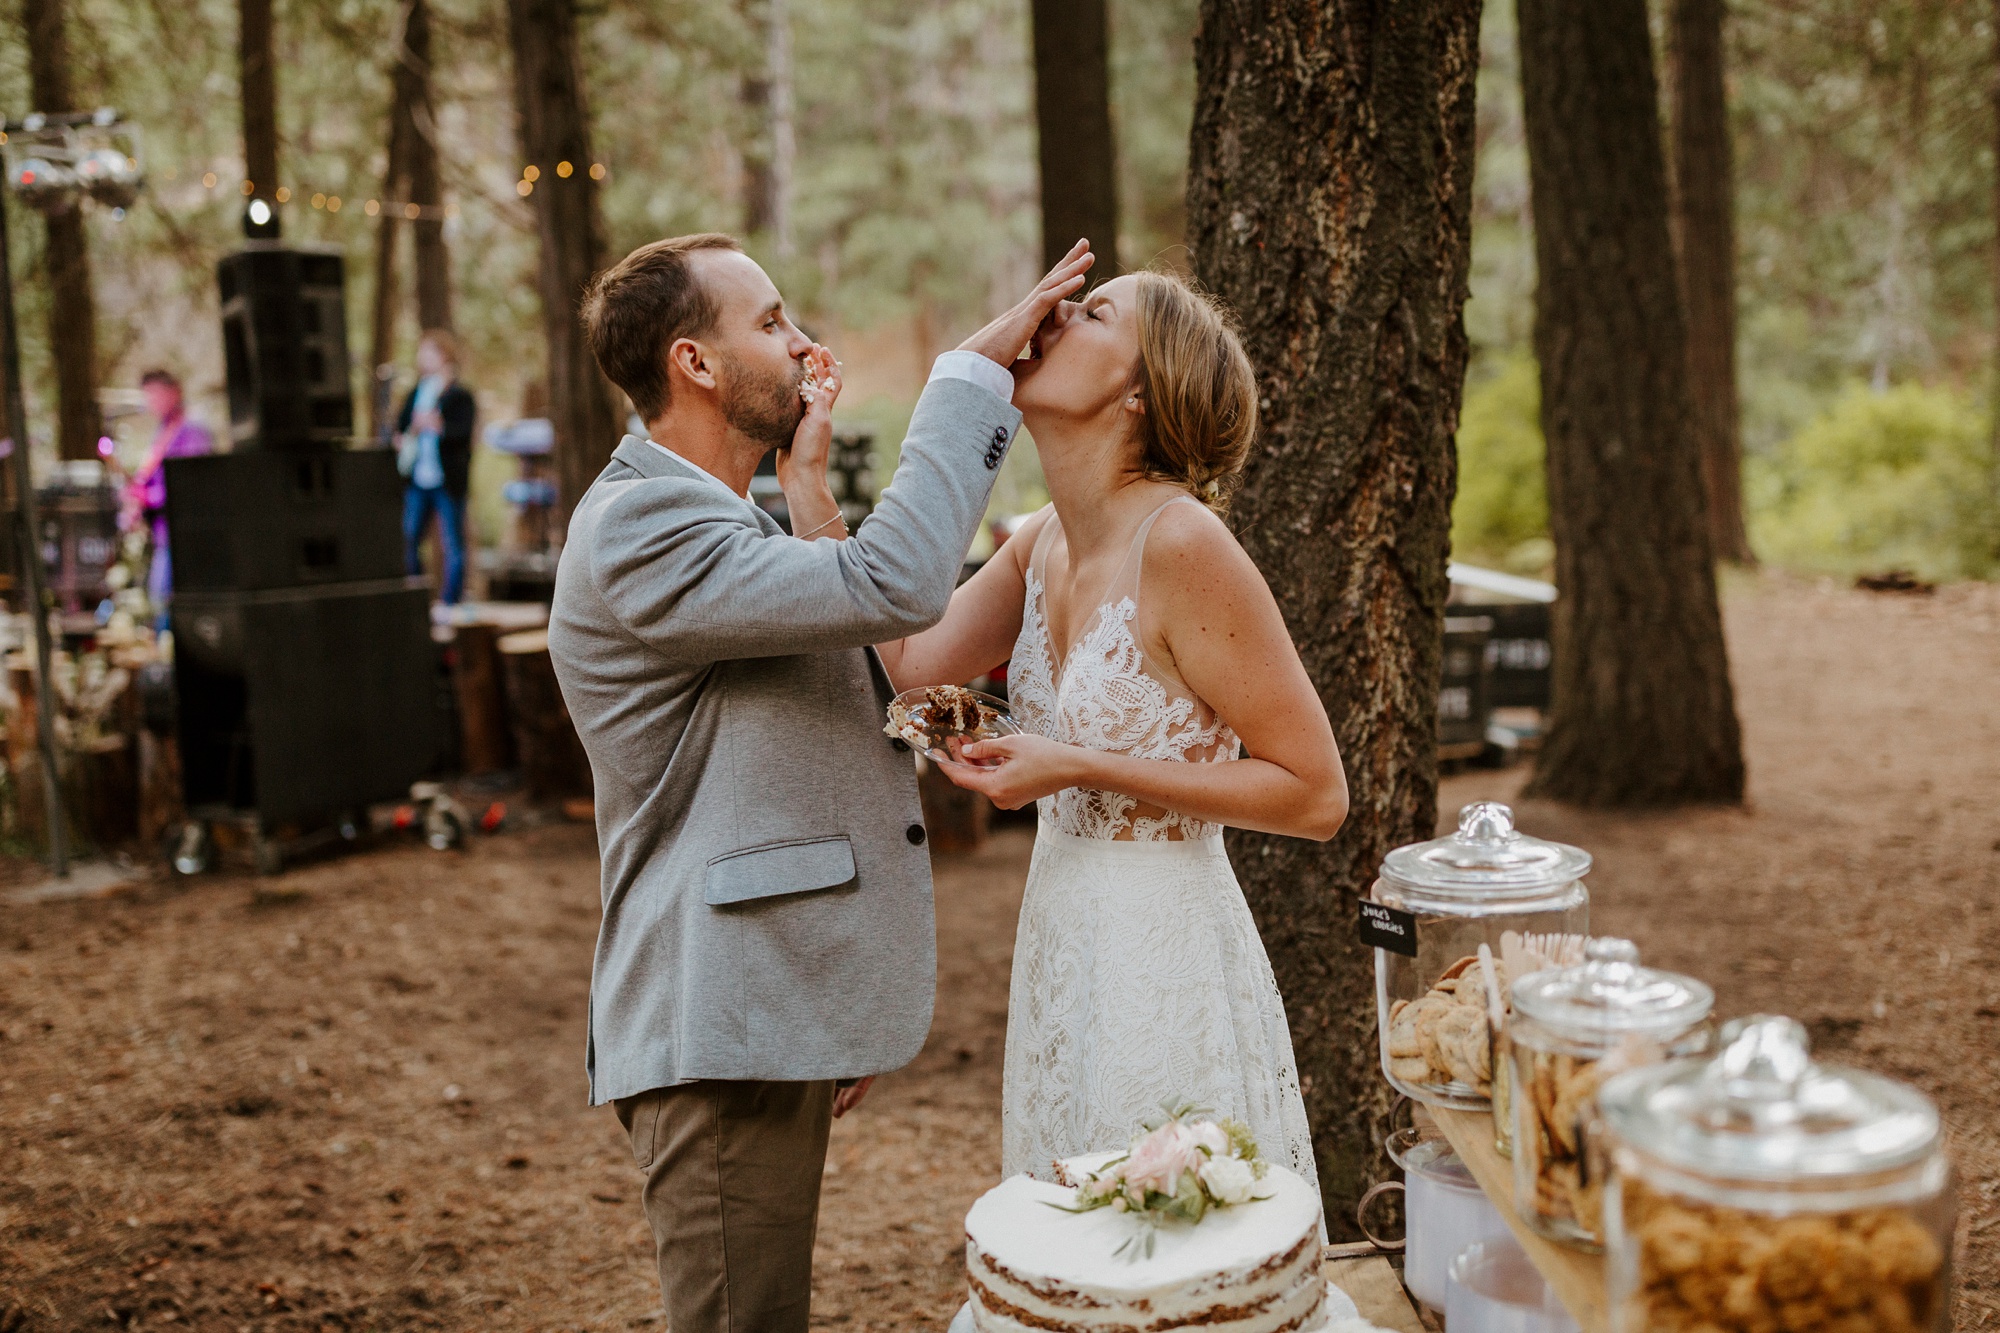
(994, 721)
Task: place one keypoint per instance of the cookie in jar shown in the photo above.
(1759, 1192)
(1573, 1028)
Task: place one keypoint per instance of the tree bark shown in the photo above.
(1643, 711)
(425, 181)
(72, 309)
(555, 131)
(382, 321)
(260, 101)
(1329, 204)
(767, 96)
(1073, 123)
(1705, 207)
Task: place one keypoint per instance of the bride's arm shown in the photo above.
(978, 629)
(1229, 644)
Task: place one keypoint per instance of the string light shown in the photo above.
(412, 212)
(284, 194)
(563, 169)
(531, 172)
(208, 180)
(524, 188)
(597, 171)
(249, 188)
(333, 203)
(371, 208)
(319, 201)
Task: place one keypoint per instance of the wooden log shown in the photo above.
(553, 764)
(160, 807)
(487, 742)
(957, 819)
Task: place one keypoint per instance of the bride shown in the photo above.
(1161, 699)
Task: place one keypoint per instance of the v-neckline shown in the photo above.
(1059, 670)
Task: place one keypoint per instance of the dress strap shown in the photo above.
(1126, 584)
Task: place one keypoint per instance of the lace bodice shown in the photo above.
(1108, 693)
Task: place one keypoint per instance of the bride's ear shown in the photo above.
(1135, 403)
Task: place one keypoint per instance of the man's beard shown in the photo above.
(765, 408)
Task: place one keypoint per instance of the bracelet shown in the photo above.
(829, 523)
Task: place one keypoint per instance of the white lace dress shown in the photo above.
(1138, 973)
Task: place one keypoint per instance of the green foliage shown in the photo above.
(1898, 479)
(1501, 515)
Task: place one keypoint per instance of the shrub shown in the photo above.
(1896, 479)
(1501, 515)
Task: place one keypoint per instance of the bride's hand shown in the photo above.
(1028, 768)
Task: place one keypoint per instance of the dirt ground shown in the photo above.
(352, 1098)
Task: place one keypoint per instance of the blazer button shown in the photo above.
(915, 833)
(900, 745)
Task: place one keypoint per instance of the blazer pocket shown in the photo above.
(778, 869)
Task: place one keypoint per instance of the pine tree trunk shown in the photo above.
(554, 130)
(426, 186)
(767, 97)
(1073, 123)
(260, 100)
(1329, 203)
(1643, 713)
(1705, 200)
(72, 310)
(382, 321)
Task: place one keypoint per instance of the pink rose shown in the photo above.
(1159, 1160)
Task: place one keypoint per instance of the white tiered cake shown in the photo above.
(1251, 1268)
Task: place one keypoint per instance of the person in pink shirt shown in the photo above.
(146, 493)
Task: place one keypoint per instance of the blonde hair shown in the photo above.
(445, 341)
(1198, 387)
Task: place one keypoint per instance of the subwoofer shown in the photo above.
(278, 519)
(296, 704)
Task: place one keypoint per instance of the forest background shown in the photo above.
(1865, 210)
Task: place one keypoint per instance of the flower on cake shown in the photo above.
(1177, 1169)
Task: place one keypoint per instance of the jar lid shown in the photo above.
(1608, 992)
(1486, 856)
(1762, 1110)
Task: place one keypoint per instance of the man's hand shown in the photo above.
(847, 1098)
(1005, 338)
(805, 459)
(802, 466)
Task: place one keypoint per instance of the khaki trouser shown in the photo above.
(732, 1194)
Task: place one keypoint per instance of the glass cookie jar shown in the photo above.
(1757, 1190)
(1435, 904)
(1572, 1028)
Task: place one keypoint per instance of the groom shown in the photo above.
(767, 943)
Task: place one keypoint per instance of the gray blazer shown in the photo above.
(767, 893)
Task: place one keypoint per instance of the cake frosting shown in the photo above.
(1249, 1268)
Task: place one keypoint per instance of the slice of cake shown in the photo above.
(1253, 1267)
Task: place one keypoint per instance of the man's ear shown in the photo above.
(691, 360)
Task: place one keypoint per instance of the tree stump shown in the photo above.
(487, 743)
(553, 764)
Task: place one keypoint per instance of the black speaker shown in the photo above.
(239, 522)
(301, 703)
(284, 345)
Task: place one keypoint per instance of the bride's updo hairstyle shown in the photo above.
(1199, 391)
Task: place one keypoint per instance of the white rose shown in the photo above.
(1230, 1179)
(1207, 1134)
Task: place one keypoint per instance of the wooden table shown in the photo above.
(1576, 1278)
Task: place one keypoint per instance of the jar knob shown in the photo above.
(1764, 1060)
(1486, 821)
(1610, 949)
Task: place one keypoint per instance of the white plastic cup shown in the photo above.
(1493, 1287)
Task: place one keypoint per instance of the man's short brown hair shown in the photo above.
(635, 310)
